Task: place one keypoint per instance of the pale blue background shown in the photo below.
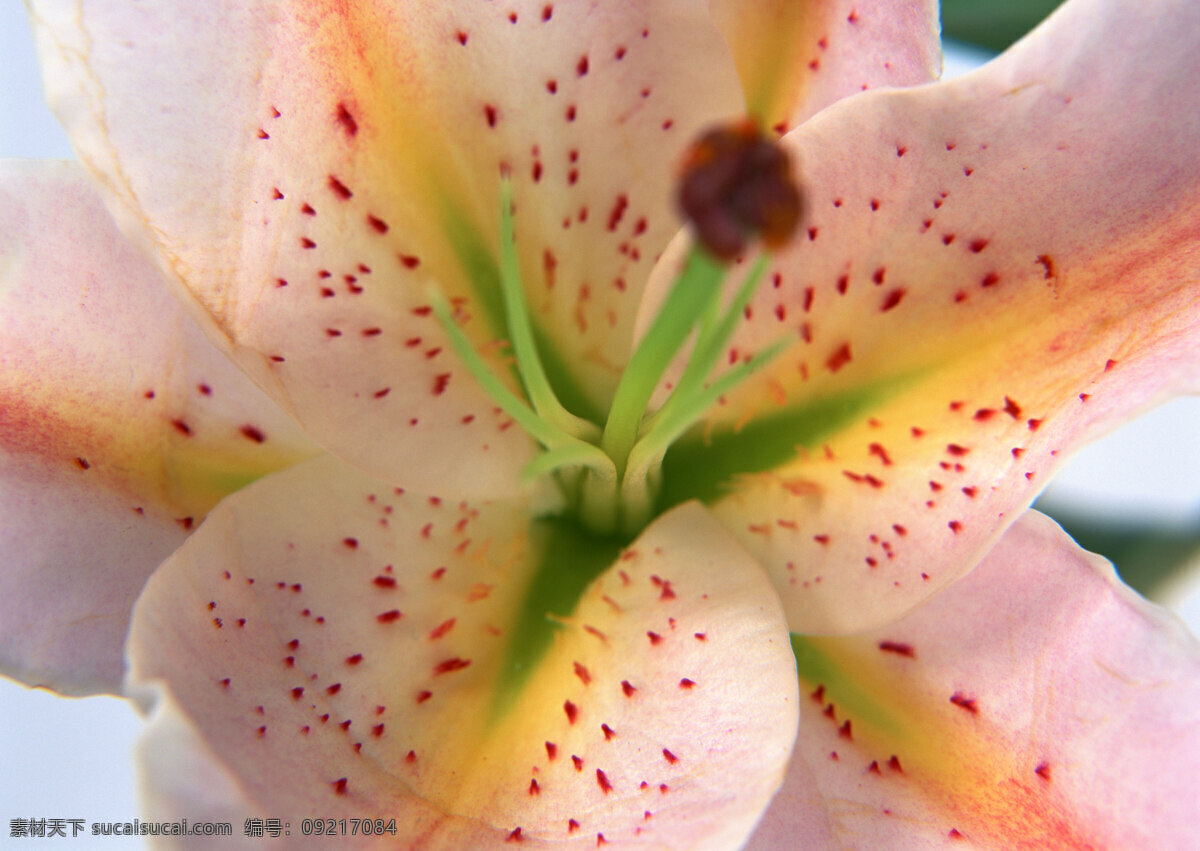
(71, 758)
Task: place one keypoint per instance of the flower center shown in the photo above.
(735, 184)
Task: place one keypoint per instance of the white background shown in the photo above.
(71, 758)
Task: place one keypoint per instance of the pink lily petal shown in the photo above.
(333, 163)
(994, 271)
(120, 426)
(349, 649)
(1038, 702)
(795, 59)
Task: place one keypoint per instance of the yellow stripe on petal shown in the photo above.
(772, 41)
(870, 713)
(341, 645)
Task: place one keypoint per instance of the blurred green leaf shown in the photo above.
(994, 24)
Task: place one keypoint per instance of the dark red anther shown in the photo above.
(736, 185)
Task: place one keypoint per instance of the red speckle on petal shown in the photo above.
(347, 121)
(627, 688)
(602, 780)
(577, 762)
(654, 637)
(339, 786)
(582, 673)
(423, 696)
(551, 750)
(572, 712)
(609, 732)
(963, 702)
(892, 300)
(340, 189)
(515, 836)
(839, 358)
(354, 660)
(618, 211)
(845, 731)
(252, 433)
(534, 788)
(449, 665)
(1043, 770)
(441, 629)
(670, 757)
(685, 683)
(898, 648)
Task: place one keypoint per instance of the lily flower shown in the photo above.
(591, 507)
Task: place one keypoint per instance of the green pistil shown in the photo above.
(621, 464)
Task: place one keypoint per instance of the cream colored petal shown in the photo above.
(1037, 703)
(309, 171)
(350, 650)
(120, 426)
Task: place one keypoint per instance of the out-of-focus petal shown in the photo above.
(120, 426)
(181, 778)
(995, 270)
(795, 59)
(349, 649)
(311, 170)
(1037, 702)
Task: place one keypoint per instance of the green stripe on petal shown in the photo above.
(338, 645)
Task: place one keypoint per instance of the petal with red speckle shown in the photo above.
(355, 151)
(120, 426)
(461, 721)
(965, 314)
(1076, 723)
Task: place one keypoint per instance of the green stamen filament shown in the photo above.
(529, 362)
(621, 465)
